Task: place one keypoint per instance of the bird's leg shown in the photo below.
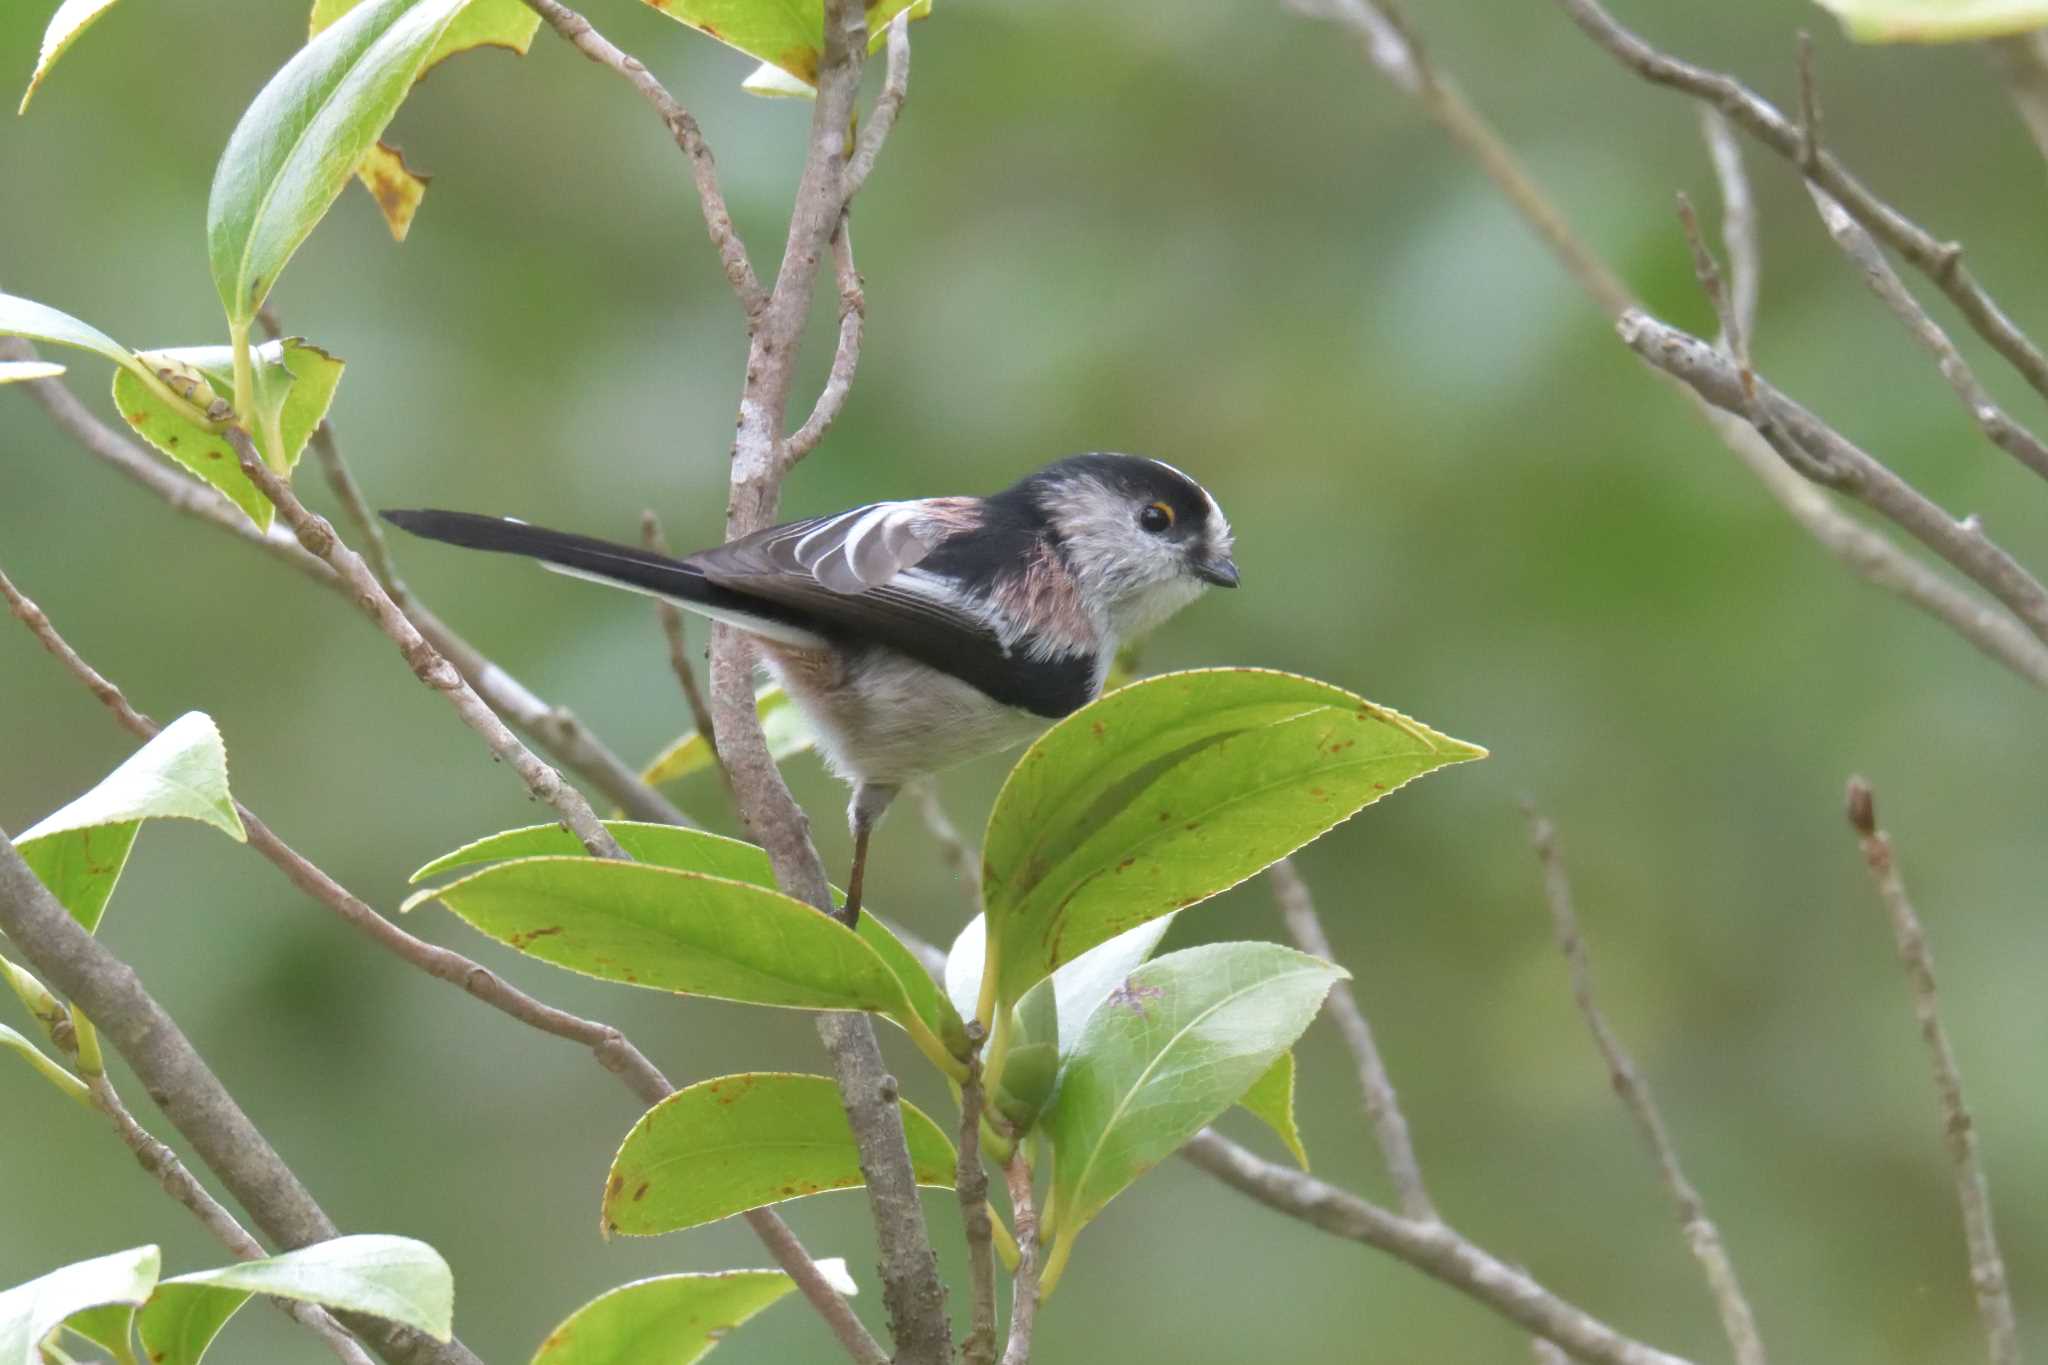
(869, 801)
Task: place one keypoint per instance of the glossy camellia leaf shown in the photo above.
(691, 850)
(785, 35)
(782, 725)
(771, 80)
(109, 1327)
(1271, 1102)
(21, 371)
(29, 1312)
(56, 1075)
(1171, 790)
(294, 386)
(395, 1278)
(72, 18)
(1937, 21)
(724, 1146)
(670, 1319)
(79, 851)
(1183, 1039)
(34, 321)
(1078, 986)
(303, 137)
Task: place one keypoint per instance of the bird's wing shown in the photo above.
(856, 571)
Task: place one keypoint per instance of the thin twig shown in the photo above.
(1959, 1130)
(1863, 252)
(1030, 1260)
(1941, 261)
(888, 104)
(970, 1181)
(1812, 136)
(1825, 456)
(1738, 1322)
(853, 311)
(671, 618)
(1434, 1248)
(611, 1048)
(1382, 1106)
(110, 994)
(427, 663)
(179, 1183)
(732, 252)
(1738, 230)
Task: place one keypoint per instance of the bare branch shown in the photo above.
(1431, 1247)
(180, 1184)
(319, 538)
(853, 311)
(789, 1253)
(178, 1079)
(732, 253)
(1738, 1323)
(1826, 457)
(1941, 261)
(1382, 1106)
(1546, 1353)
(1024, 1285)
(888, 104)
(1738, 229)
(970, 1181)
(671, 618)
(1863, 551)
(1884, 282)
(1959, 1130)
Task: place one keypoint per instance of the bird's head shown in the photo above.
(1141, 538)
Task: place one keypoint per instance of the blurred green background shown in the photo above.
(1205, 231)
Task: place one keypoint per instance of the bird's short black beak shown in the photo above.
(1219, 569)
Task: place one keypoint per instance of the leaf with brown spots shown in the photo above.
(789, 39)
(1169, 791)
(741, 1142)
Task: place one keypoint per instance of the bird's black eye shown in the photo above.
(1156, 517)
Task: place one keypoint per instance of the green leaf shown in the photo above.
(303, 137)
(743, 1142)
(47, 1069)
(1936, 21)
(34, 321)
(1080, 985)
(294, 386)
(21, 371)
(671, 1319)
(690, 850)
(72, 18)
(679, 931)
(1181, 1041)
(1031, 1065)
(79, 851)
(109, 1327)
(1271, 1101)
(782, 724)
(1163, 794)
(395, 1278)
(29, 1312)
(35, 997)
(773, 82)
(786, 35)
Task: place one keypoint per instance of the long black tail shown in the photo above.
(623, 566)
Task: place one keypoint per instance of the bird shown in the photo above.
(915, 635)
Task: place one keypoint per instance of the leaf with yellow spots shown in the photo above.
(397, 187)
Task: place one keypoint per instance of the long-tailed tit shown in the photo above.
(915, 635)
